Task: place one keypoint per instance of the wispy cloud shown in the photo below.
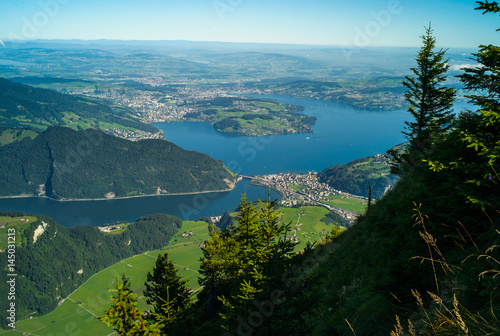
(458, 67)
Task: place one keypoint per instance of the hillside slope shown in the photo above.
(61, 258)
(357, 176)
(26, 106)
(414, 239)
(61, 163)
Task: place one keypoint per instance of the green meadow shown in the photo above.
(349, 204)
(306, 221)
(77, 314)
(12, 135)
(17, 223)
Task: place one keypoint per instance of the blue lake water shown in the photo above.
(188, 207)
(341, 134)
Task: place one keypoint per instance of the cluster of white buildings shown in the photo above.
(154, 106)
(305, 189)
(216, 219)
(294, 187)
(110, 228)
(134, 134)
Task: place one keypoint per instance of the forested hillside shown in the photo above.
(423, 260)
(26, 106)
(53, 260)
(61, 163)
(357, 176)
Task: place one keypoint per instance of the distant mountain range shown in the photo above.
(62, 163)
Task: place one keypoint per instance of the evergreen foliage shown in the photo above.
(472, 151)
(357, 176)
(243, 263)
(225, 221)
(206, 219)
(170, 297)
(430, 104)
(165, 290)
(334, 218)
(124, 315)
(61, 163)
(227, 123)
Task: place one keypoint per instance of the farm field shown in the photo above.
(17, 223)
(349, 204)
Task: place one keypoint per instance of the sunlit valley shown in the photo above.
(165, 186)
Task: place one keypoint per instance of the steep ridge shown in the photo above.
(53, 260)
(89, 164)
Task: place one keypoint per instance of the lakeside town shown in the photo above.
(153, 106)
(305, 189)
(154, 101)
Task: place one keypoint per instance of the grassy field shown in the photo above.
(78, 314)
(18, 223)
(311, 228)
(377, 167)
(297, 187)
(349, 204)
(11, 135)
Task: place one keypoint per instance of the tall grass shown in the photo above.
(441, 313)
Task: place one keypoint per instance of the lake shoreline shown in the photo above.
(336, 140)
(120, 198)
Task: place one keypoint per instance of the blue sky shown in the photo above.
(362, 23)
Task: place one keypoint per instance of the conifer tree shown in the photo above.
(126, 282)
(430, 104)
(243, 262)
(124, 315)
(471, 154)
(166, 290)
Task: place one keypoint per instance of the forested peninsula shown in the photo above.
(356, 177)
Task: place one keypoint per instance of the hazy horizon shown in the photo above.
(321, 23)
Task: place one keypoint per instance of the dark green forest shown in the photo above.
(357, 176)
(60, 252)
(61, 163)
